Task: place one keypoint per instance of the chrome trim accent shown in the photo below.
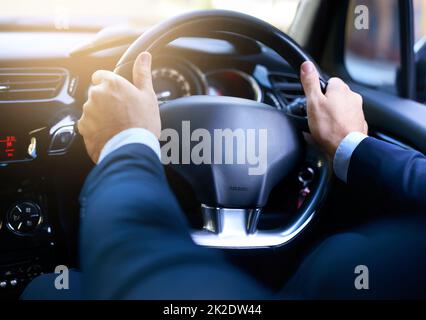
(4, 88)
(234, 233)
(231, 228)
(230, 221)
(65, 122)
(32, 148)
(62, 95)
(66, 129)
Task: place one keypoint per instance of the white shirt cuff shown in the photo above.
(344, 153)
(129, 136)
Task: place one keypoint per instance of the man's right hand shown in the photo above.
(332, 116)
(115, 105)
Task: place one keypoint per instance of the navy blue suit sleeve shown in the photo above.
(393, 175)
(135, 241)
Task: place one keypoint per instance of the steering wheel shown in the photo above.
(231, 194)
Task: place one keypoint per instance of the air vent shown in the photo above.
(30, 84)
(287, 86)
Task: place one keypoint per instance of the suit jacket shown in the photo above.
(135, 241)
(394, 176)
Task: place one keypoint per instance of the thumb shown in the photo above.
(310, 80)
(142, 71)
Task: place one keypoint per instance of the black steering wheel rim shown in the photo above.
(200, 23)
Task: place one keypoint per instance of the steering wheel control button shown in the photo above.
(24, 218)
(61, 140)
(3, 284)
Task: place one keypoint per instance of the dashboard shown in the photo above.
(225, 64)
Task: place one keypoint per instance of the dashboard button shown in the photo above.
(61, 140)
(24, 217)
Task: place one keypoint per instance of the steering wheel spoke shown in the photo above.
(232, 228)
(230, 221)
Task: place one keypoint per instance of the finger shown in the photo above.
(87, 107)
(96, 92)
(336, 84)
(103, 75)
(81, 125)
(310, 80)
(142, 71)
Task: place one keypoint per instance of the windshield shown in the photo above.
(69, 14)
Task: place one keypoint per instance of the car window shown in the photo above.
(419, 21)
(68, 13)
(372, 43)
(420, 48)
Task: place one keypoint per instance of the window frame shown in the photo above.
(408, 63)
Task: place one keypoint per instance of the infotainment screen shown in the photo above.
(17, 148)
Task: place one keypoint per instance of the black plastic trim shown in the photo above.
(407, 83)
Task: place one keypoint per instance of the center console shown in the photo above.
(34, 188)
(28, 239)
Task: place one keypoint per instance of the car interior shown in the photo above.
(202, 58)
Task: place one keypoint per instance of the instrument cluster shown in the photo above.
(175, 78)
